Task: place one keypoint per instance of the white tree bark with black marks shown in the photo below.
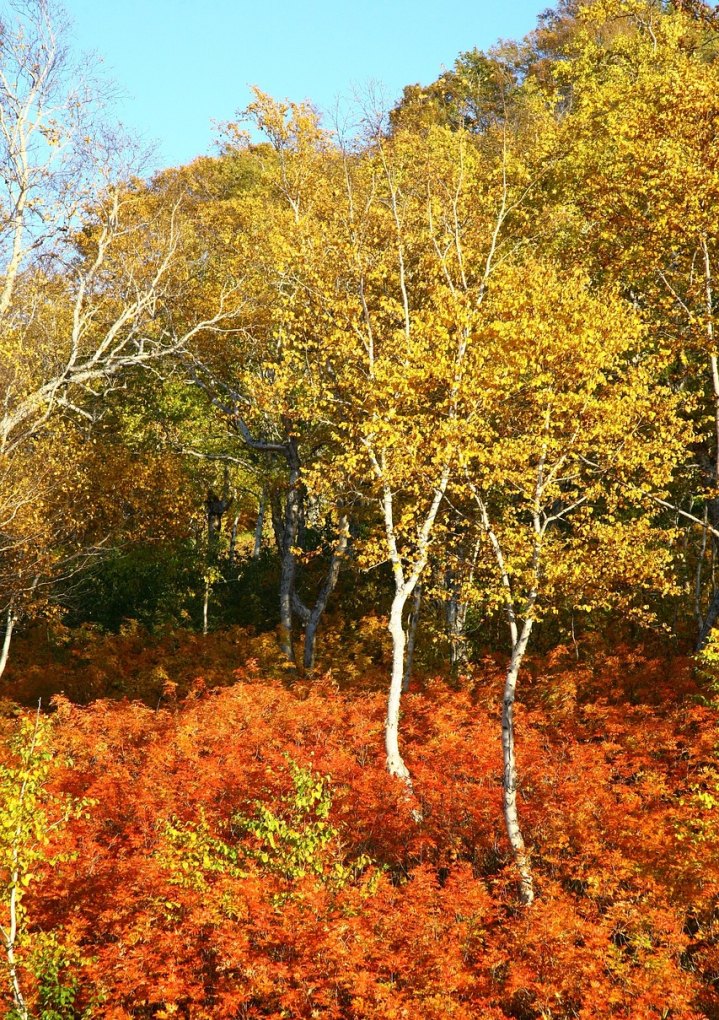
(412, 624)
(520, 631)
(509, 783)
(406, 577)
(206, 607)
(10, 620)
(521, 616)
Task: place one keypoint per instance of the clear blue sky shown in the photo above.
(184, 63)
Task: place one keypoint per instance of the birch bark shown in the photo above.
(10, 620)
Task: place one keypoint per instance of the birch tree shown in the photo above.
(574, 432)
(92, 265)
(417, 226)
(88, 260)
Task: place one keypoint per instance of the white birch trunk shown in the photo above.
(206, 608)
(511, 817)
(9, 626)
(520, 639)
(404, 586)
(395, 762)
(21, 1008)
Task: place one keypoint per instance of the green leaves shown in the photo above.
(30, 817)
(292, 841)
(296, 839)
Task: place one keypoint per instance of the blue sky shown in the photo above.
(183, 63)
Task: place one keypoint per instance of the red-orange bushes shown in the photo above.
(353, 954)
(624, 926)
(87, 664)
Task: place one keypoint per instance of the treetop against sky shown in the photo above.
(182, 65)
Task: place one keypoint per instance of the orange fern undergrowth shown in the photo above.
(242, 853)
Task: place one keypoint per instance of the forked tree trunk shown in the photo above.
(511, 817)
(404, 586)
(312, 617)
(10, 620)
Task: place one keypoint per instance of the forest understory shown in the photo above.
(225, 841)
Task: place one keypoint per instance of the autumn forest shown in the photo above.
(359, 541)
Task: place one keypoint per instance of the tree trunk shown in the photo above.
(291, 524)
(395, 762)
(709, 620)
(206, 607)
(456, 616)
(287, 583)
(277, 518)
(459, 657)
(9, 626)
(699, 574)
(511, 817)
(456, 608)
(412, 635)
(313, 617)
(404, 585)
